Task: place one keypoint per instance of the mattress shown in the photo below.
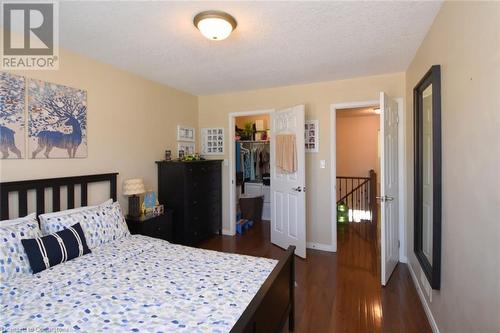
(136, 284)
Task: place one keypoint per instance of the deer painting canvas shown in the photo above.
(12, 121)
(57, 121)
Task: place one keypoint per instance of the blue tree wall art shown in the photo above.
(57, 125)
(12, 121)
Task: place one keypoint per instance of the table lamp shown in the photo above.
(131, 188)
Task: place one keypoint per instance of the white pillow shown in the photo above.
(73, 210)
(13, 258)
(30, 217)
(101, 224)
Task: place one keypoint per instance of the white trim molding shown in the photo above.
(321, 247)
(401, 162)
(423, 300)
(227, 232)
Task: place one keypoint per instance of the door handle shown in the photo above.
(385, 198)
(297, 189)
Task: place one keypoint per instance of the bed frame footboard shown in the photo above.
(274, 303)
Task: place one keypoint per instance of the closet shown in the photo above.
(253, 160)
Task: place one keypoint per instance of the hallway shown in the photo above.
(341, 292)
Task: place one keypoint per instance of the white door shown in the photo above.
(288, 198)
(389, 201)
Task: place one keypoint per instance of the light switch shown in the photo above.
(226, 162)
(322, 164)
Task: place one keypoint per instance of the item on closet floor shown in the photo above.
(243, 225)
(131, 188)
(251, 207)
(194, 191)
(159, 226)
(286, 153)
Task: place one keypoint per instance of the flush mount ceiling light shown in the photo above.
(215, 25)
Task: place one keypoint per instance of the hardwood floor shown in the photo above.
(341, 292)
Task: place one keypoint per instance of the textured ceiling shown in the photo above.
(275, 43)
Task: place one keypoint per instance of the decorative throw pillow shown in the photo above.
(13, 258)
(57, 248)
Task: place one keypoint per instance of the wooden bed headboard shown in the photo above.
(39, 185)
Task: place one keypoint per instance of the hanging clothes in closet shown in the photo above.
(254, 159)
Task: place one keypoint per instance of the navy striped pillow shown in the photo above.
(47, 251)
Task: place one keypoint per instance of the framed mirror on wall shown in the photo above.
(427, 183)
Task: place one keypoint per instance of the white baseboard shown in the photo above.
(319, 246)
(423, 300)
(403, 259)
(227, 232)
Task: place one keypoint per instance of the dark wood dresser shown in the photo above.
(194, 191)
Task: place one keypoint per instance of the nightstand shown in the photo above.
(159, 226)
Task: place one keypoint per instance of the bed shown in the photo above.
(141, 284)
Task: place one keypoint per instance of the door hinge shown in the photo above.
(399, 244)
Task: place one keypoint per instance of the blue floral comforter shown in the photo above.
(136, 284)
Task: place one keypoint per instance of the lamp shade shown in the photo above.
(133, 186)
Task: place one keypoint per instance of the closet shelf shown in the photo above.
(253, 141)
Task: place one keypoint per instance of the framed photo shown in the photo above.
(185, 133)
(149, 202)
(158, 210)
(212, 141)
(187, 147)
(311, 136)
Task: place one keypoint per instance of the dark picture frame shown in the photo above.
(432, 271)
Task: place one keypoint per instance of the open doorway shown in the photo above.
(375, 198)
(252, 172)
(357, 184)
(286, 191)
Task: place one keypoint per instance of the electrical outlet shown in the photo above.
(322, 164)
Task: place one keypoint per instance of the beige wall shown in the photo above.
(357, 145)
(131, 122)
(317, 97)
(465, 41)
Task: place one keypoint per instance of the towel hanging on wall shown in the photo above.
(286, 153)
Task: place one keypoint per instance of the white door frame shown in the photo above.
(401, 173)
(232, 161)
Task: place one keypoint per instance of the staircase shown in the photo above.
(359, 195)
